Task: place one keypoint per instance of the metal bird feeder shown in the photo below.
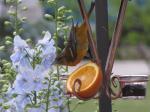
(132, 86)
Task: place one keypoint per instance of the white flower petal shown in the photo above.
(21, 101)
(19, 43)
(46, 39)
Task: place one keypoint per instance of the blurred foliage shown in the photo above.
(135, 30)
(7, 75)
(136, 24)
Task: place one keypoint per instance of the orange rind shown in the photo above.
(85, 81)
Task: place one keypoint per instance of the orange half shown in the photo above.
(90, 76)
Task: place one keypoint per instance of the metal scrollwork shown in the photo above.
(115, 95)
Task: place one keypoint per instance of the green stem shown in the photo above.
(68, 104)
(33, 63)
(35, 97)
(57, 67)
(48, 95)
(31, 99)
(16, 16)
(56, 22)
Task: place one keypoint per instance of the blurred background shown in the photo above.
(133, 55)
(135, 40)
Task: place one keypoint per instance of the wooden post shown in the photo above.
(103, 47)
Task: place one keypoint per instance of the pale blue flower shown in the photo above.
(39, 109)
(1, 101)
(31, 79)
(57, 106)
(12, 107)
(48, 55)
(19, 49)
(18, 104)
(20, 57)
(48, 61)
(57, 99)
(21, 101)
(9, 92)
(23, 55)
(19, 43)
(28, 81)
(22, 84)
(47, 46)
(47, 38)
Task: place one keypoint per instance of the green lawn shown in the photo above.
(119, 105)
(133, 105)
(86, 106)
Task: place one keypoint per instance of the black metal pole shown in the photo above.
(103, 47)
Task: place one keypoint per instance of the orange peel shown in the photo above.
(87, 79)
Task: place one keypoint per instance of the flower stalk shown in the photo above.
(16, 17)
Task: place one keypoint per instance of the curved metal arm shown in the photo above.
(89, 31)
(76, 89)
(112, 50)
(115, 95)
(111, 54)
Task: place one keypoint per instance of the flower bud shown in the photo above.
(58, 29)
(4, 61)
(10, 1)
(14, 33)
(5, 87)
(66, 27)
(56, 99)
(43, 33)
(21, 30)
(3, 82)
(19, 1)
(23, 19)
(7, 23)
(69, 11)
(59, 18)
(14, 95)
(25, 8)
(29, 40)
(11, 12)
(7, 64)
(80, 102)
(8, 38)
(8, 42)
(6, 107)
(48, 17)
(69, 17)
(2, 48)
(62, 8)
(55, 107)
(51, 1)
